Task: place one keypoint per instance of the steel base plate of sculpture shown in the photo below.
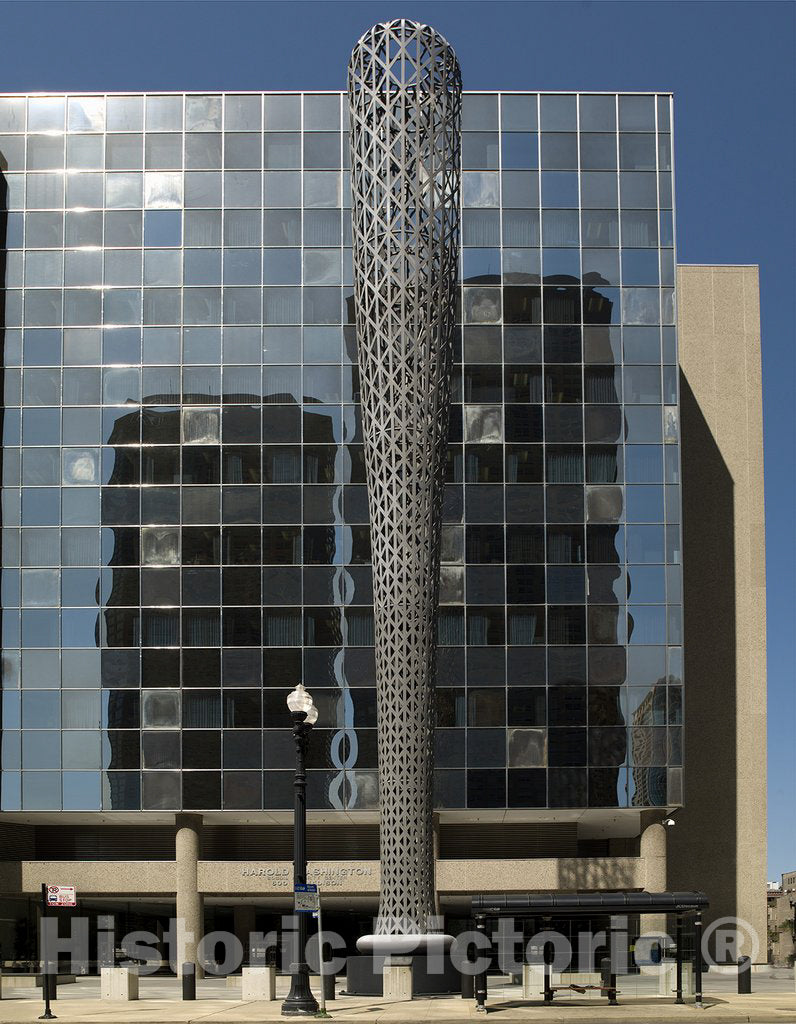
(404, 89)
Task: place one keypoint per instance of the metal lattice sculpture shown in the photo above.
(404, 90)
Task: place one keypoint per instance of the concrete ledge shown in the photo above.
(33, 980)
(732, 969)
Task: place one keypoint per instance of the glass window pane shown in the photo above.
(597, 113)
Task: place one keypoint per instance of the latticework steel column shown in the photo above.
(404, 90)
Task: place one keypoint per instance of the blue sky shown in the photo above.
(730, 66)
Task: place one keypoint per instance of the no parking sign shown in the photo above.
(61, 896)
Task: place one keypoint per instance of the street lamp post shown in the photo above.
(300, 1001)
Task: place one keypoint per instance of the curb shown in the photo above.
(772, 1017)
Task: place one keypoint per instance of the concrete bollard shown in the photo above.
(258, 983)
(119, 983)
(608, 980)
(532, 980)
(49, 983)
(667, 978)
(188, 981)
(397, 979)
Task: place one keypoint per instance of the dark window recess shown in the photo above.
(525, 584)
(484, 544)
(483, 384)
(566, 705)
(523, 423)
(160, 667)
(201, 748)
(525, 544)
(508, 841)
(83, 842)
(526, 706)
(257, 842)
(563, 383)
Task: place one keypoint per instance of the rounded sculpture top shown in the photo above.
(403, 54)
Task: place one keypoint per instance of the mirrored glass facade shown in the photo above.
(185, 526)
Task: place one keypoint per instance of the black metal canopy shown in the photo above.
(582, 904)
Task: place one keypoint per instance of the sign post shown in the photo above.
(322, 1009)
(51, 896)
(45, 975)
(307, 900)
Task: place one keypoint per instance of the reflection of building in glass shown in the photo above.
(648, 751)
(186, 530)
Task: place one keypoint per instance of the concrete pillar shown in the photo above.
(190, 911)
(653, 854)
(243, 926)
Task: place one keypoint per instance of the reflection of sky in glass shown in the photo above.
(204, 312)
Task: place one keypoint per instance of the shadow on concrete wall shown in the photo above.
(598, 873)
(702, 851)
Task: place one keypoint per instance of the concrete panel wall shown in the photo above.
(719, 842)
(554, 874)
(338, 878)
(125, 877)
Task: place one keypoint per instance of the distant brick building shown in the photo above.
(781, 938)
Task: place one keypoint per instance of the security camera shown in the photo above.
(668, 822)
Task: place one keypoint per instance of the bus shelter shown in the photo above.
(572, 905)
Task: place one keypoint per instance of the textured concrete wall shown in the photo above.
(336, 878)
(719, 843)
(125, 877)
(548, 873)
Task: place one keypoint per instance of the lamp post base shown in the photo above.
(300, 1001)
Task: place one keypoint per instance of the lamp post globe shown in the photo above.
(299, 700)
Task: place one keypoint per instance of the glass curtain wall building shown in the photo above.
(185, 527)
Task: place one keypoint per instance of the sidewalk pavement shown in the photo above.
(768, 1008)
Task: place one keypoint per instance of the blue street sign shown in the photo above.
(305, 898)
